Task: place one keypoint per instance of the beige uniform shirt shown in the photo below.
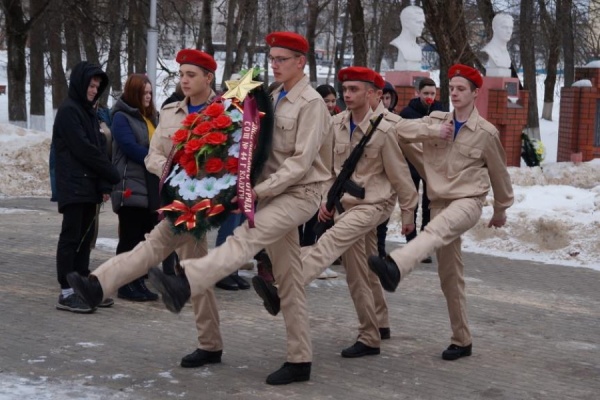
(161, 144)
(465, 167)
(301, 148)
(382, 169)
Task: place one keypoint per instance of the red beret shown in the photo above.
(359, 74)
(197, 58)
(469, 73)
(288, 40)
(379, 81)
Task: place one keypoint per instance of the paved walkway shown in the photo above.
(536, 334)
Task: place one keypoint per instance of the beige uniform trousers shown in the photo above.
(347, 238)
(276, 229)
(381, 308)
(449, 220)
(159, 243)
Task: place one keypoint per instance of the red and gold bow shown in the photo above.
(189, 213)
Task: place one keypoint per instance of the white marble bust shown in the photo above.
(410, 56)
(498, 58)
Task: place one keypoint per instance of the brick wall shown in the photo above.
(577, 118)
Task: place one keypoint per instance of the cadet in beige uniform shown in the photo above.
(461, 156)
(197, 71)
(288, 193)
(381, 171)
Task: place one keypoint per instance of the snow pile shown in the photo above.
(24, 162)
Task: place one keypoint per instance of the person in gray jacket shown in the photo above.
(135, 197)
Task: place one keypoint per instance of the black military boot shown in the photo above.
(175, 290)
(200, 357)
(454, 352)
(88, 288)
(387, 271)
(290, 372)
(268, 293)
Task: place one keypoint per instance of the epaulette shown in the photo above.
(487, 126)
(171, 105)
(439, 115)
(310, 95)
(385, 124)
(339, 117)
(391, 117)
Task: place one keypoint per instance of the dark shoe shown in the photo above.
(131, 292)
(338, 261)
(427, 260)
(149, 295)
(241, 282)
(175, 290)
(290, 372)
(385, 333)
(227, 283)
(268, 293)
(264, 267)
(454, 352)
(200, 357)
(106, 303)
(387, 271)
(74, 303)
(359, 349)
(88, 288)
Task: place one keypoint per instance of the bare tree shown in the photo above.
(17, 29)
(552, 35)
(205, 38)
(359, 36)
(54, 30)
(565, 18)
(528, 62)
(245, 16)
(37, 76)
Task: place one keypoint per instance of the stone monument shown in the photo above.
(410, 56)
(498, 58)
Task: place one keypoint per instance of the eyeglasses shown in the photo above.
(279, 60)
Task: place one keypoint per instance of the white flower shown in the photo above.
(189, 190)
(208, 187)
(226, 181)
(173, 172)
(179, 179)
(237, 136)
(235, 115)
(234, 150)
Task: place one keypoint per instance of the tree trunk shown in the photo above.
(113, 66)
(71, 32)
(230, 40)
(206, 27)
(246, 14)
(37, 75)
(359, 36)
(311, 33)
(89, 36)
(54, 30)
(526, 34)
(131, 43)
(565, 12)
(552, 34)
(141, 36)
(445, 20)
(339, 60)
(486, 12)
(16, 38)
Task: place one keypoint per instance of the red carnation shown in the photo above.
(232, 165)
(191, 168)
(214, 110)
(177, 157)
(222, 121)
(190, 119)
(194, 145)
(127, 193)
(186, 158)
(213, 165)
(203, 128)
(429, 101)
(180, 136)
(215, 138)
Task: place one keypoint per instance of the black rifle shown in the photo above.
(343, 183)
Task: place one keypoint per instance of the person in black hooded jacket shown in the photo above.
(84, 175)
(419, 107)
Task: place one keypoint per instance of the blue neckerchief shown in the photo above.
(352, 127)
(282, 94)
(457, 126)
(195, 109)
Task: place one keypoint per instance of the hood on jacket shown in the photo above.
(80, 79)
(121, 105)
(388, 88)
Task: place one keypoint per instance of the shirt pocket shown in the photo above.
(435, 152)
(284, 139)
(370, 163)
(339, 155)
(465, 157)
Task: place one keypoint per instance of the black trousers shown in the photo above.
(134, 223)
(426, 217)
(73, 250)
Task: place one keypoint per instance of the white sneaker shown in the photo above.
(328, 273)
